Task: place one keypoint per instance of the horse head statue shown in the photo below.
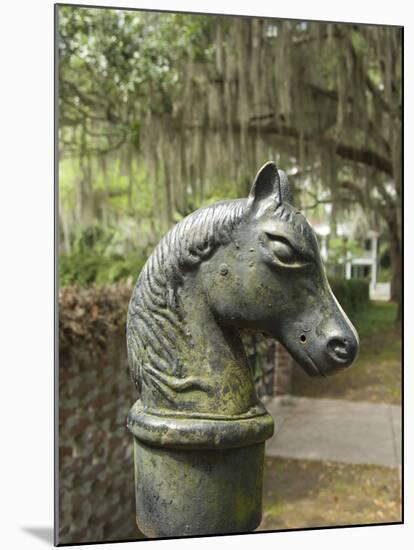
(241, 264)
(247, 264)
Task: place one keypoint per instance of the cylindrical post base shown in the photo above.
(198, 475)
(197, 492)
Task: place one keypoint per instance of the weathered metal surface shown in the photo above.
(198, 425)
(192, 492)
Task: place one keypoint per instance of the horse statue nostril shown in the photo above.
(341, 350)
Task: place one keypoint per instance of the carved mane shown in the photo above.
(156, 325)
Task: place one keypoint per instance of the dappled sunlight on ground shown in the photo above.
(307, 493)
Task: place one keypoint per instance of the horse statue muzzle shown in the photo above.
(199, 428)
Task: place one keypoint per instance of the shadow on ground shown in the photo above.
(45, 534)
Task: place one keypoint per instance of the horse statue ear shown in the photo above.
(285, 187)
(270, 182)
(266, 184)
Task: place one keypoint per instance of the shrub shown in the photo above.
(352, 294)
(88, 267)
(100, 255)
(90, 315)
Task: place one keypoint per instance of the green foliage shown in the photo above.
(378, 318)
(116, 65)
(352, 294)
(384, 256)
(90, 267)
(358, 42)
(339, 248)
(221, 190)
(112, 190)
(95, 259)
(384, 275)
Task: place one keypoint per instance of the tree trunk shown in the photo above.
(105, 198)
(66, 233)
(130, 163)
(396, 265)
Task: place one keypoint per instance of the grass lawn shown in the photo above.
(305, 493)
(376, 374)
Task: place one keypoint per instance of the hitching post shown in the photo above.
(199, 429)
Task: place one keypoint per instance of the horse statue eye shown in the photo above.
(283, 251)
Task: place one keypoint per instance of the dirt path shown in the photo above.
(308, 493)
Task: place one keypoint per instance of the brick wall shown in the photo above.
(283, 369)
(96, 485)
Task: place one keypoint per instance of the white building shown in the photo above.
(362, 264)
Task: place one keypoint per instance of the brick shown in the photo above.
(64, 452)
(283, 371)
(80, 425)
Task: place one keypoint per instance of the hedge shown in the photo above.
(89, 316)
(352, 294)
